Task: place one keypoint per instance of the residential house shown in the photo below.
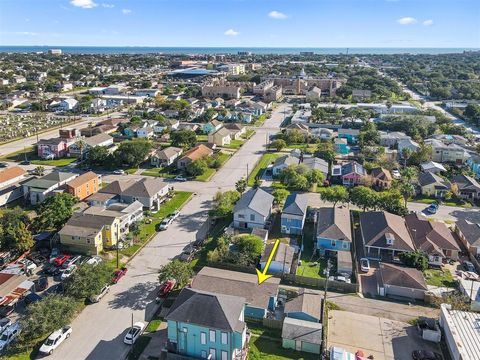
(407, 144)
(350, 134)
(89, 234)
(37, 190)
(474, 163)
(341, 146)
(259, 300)
(11, 184)
(433, 238)
(451, 139)
(467, 188)
(361, 94)
(103, 140)
(294, 213)
(322, 133)
(333, 231)
(206, 325)
(447, 153)
(400, 282)
(212, 126)
(67, 104)
(98, 129)
(352, 173)
(196, 153)
(236, 130)
(433, 185)
(381, 178)
(392, 138)
(283, 162)
(57, 147)
(469, 234)
(314, 163)
(253, 209)
(171, 124)
(221, 137)
(433, 167)
(301, 335)
(145, 132)
(165, 157)
(84, 185)
(305, 306)
(314, 94)
(384, 235)
(282, 259)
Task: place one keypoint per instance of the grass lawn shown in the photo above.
(307, 148)
(235, 144)
(202, 138)
(262, 348)
(31, 155)
(311, 267)
(206, 175)
(248, 134)
(222, 157)
(265, 160)
(153, 325)
(137, 348)
(159, 172)
(131, 171)
(452, 202)
(437, 277)
(260, 120)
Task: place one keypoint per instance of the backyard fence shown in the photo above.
(272, 323)
(320, 283)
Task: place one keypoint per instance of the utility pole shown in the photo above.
(324, 309)
(247, 172)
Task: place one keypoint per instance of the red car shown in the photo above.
(60, 260)
(166, 287)
(117, 275)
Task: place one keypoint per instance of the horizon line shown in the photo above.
(250, 47)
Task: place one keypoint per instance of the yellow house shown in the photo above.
(433, 185)
(89, 234)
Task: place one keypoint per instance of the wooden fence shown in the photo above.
(320, 283)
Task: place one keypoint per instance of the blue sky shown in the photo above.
(250, 23)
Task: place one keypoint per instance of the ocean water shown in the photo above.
(228, 50)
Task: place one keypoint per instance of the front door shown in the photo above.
(298, 345)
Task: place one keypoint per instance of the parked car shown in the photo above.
(166, 287)
(175, 214)
(94, 260)
(68, 272)
(54, 254)
(432, 208)
(117, 275)
(9, 335)
(32, 298)
(133, 333)
(468, 266)
(71, 261)
(4, 324)
(180, 178)
(97, 298)
(55, 339)
(426, 355)
(364, 265)
(165, 223)
(119, 172)
(25, 162)
(188, 254)
(3, 165)
(340, 278)
(27, 264)
(396, 174)
(6, 310)
(42, 283)
(51, 270)
(60, 260)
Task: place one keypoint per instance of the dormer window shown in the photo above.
(390, 238)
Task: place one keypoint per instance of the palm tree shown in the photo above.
(81, 145)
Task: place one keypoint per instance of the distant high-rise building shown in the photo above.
(55, 51)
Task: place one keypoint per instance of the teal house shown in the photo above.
(350, 134)
(333, 229)
(293, 214)
(306, 306)
(301, 335)
(259, 300)
(341, 146)
(207, 325)
(212, 126)
(474, 163)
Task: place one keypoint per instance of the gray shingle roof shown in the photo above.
(207, 309)
(402, 276)
(286, 160)
(300, 330)
(296, 204)
(334, 223)
(306, 302)
(470, 230)
(257, 200)
(428, 178)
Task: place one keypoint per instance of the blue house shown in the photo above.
(350, 134)
(212, 126)
(259, 300)
(341, 146)
(130, 132)
(203, 324)
(294, 213)
(474, 162)
(334, 229)
(305, 306)
(281, 261)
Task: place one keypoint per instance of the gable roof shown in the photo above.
(296, 204)
(223, 132)
(316, 164)
(429, 178)
(237, 284)
(465, 182)
(401, 276)
(431, 237)
(117, 187)
(257, 200)
(82, 179)
(97, 139)
(283, 254)
(168, 152)
(470, 230)
(11, 173)
(352, 167)
(207, 309)
(306, 302)
(381, 174)
(286, 160)
(432, 165)
(301, 330)
(146, 187)
(49, 180)
(376, 224)
(334, 223)
(197, 152)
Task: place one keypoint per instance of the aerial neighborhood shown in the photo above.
(232, 206)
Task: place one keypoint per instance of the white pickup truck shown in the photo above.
(55, 339)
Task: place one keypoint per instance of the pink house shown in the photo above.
(58, 147)
(352, 173)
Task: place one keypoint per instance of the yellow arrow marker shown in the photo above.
(262, 275)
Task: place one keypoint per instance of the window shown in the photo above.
(334, 243)
(224, 355)
(213, 353)
(204, 354)
(252, 217)
(224, 338)
(241, 216)
(212, 335)
(203, 338)
(345, 245)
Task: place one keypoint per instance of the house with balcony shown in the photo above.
(467, 187)
(352, 173)
(207, 325)
(350, 134)
(253, 209)
(165, 157)
(333, 231)
(38, 189)
(447, 152)
(432, 185)
(84, 185)
(293, 214)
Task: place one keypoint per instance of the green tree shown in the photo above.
(177, 270)
(197, 167)
(294, 177)
(407, 190)
(88, 280)
(132, 153)
(98, 157)
(334, 194)
(326, 151)
(183, 138)
(39, 170)
(423, 154)
(393, 202)
(14, 234)
(315, 176)
(364, 197)
(369, 135)
(44, 317)
(280, 195)
(241, 185)
(54, 212)
(249, 246)
(223, 203)
(278, 144)
(415, 259)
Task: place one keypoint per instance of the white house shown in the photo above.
(166, 156)
(145, 132)
(68, 104)
(253, 209)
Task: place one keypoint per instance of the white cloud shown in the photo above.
(109, 6)
(407, 20)
(126, 11)
(231, 32)
(428, 22)
(277, 15)
(85, 4)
